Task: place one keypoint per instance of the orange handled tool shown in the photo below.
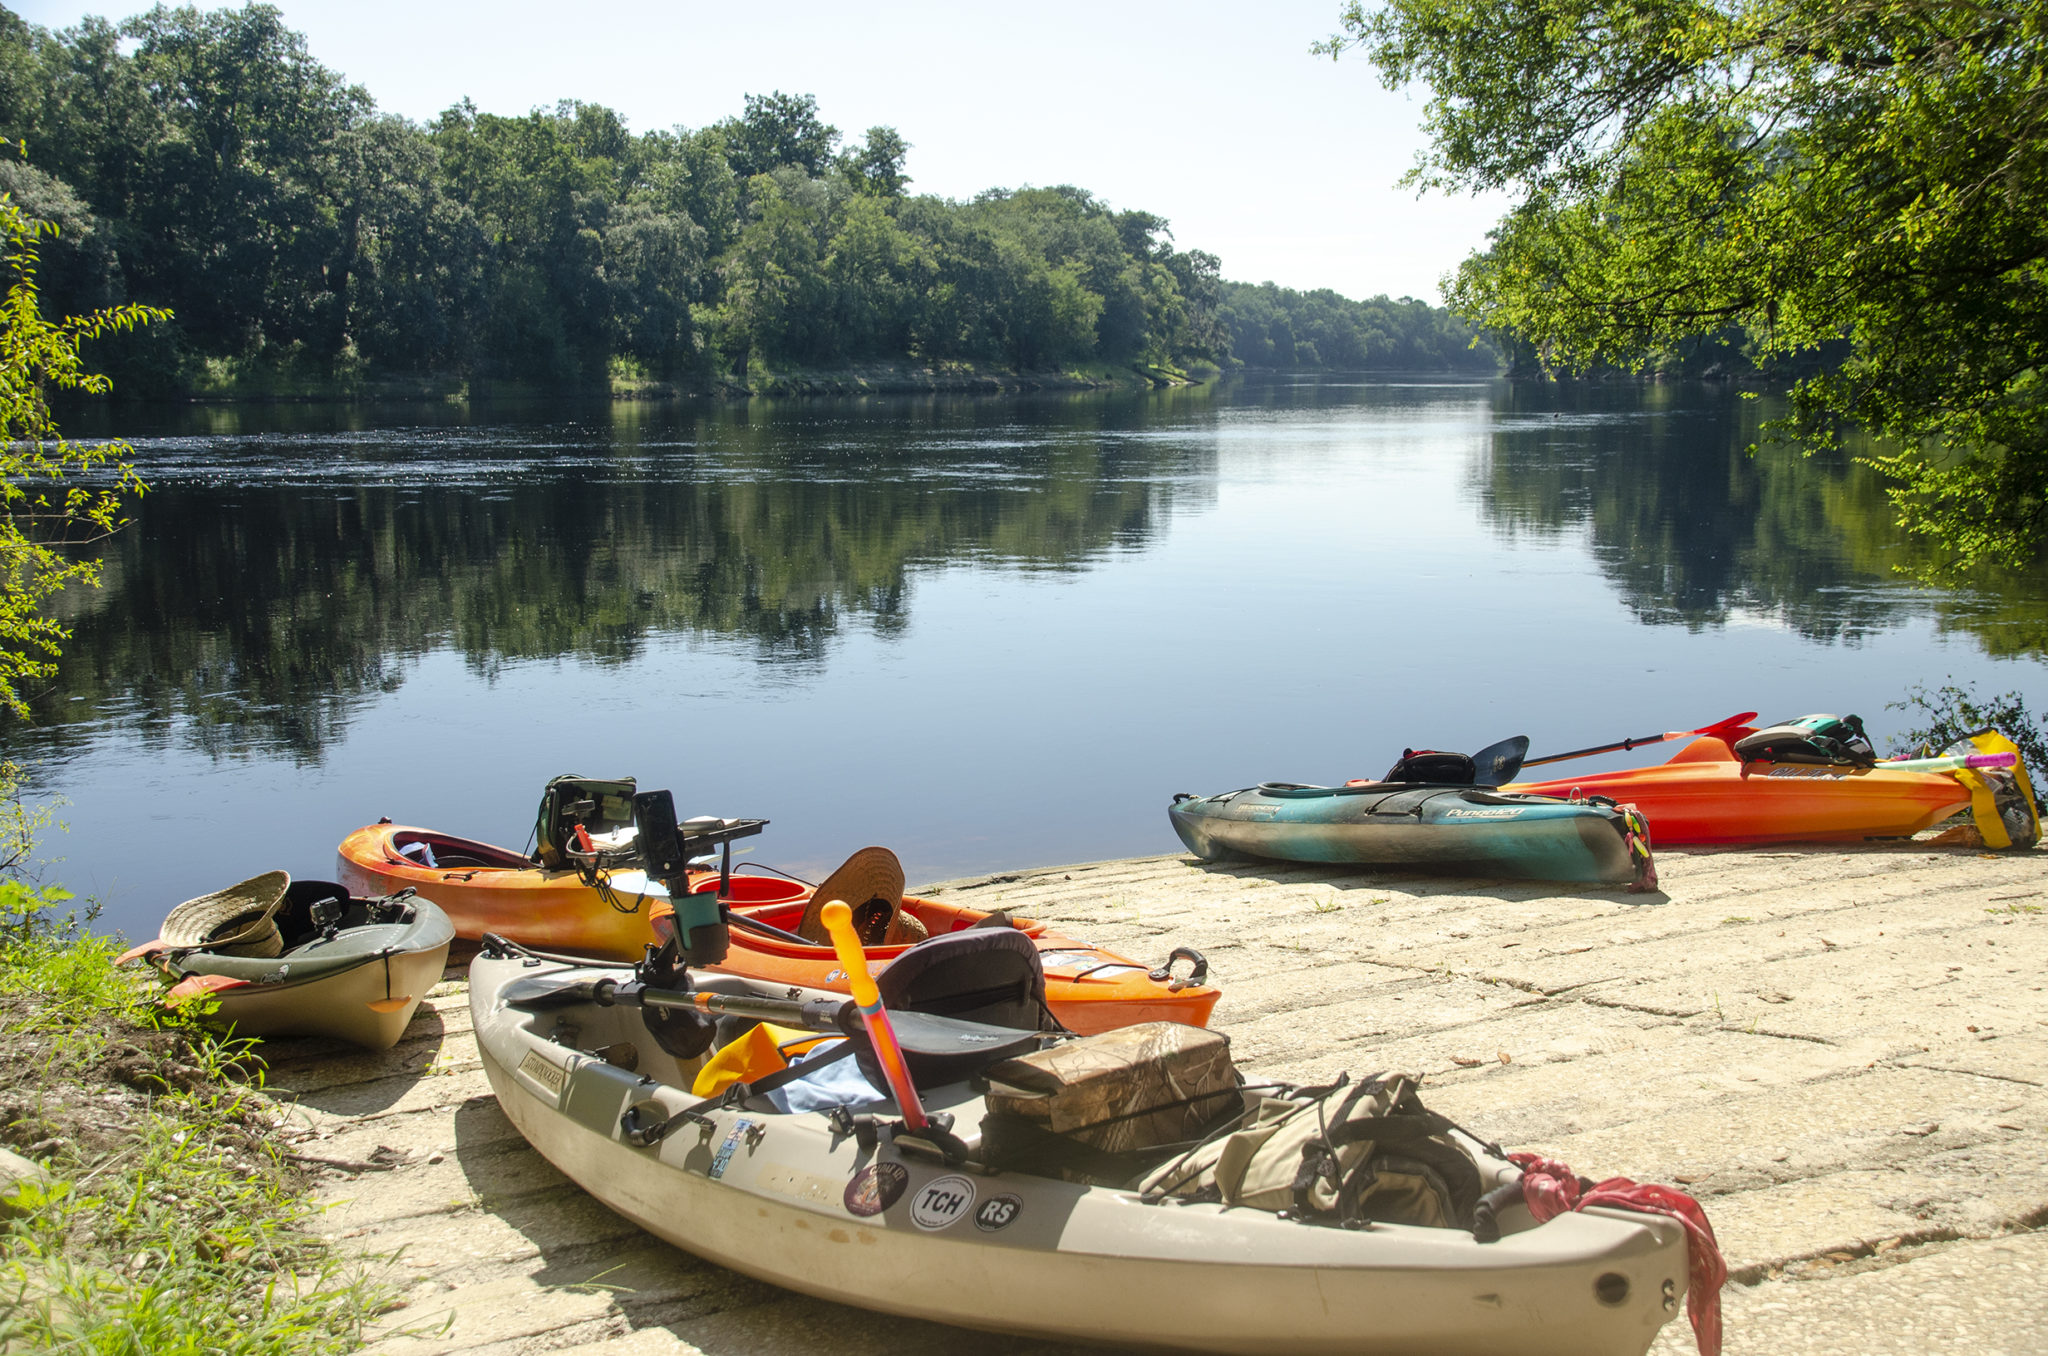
(838, 920)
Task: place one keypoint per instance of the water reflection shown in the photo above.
(291, 563)
(272, 577)
(1692, 530)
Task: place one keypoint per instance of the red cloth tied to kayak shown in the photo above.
(1550, 1188)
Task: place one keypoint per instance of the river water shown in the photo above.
(987, 632)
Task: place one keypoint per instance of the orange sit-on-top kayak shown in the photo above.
(608, 915)
(1709, 793)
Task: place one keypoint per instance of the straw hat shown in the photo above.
(870, 882)
(238, 921)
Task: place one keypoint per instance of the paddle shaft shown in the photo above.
(1627, 744)
(838, 920)
(1950, 763)
(815, 1014)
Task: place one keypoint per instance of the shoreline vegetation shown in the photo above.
(147, 1199)
(309, 246)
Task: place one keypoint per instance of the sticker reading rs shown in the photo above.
(998, 1212)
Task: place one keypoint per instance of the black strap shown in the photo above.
(737, 1094)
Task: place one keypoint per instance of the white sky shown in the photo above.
(1211, 114)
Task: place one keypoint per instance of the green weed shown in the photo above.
(172, 1223)
(2016, 909)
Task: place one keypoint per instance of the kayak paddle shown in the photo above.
(1497, 764)
(838, 920)
(1718, 727)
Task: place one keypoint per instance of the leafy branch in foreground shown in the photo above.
(1801, 171)
(44, 515)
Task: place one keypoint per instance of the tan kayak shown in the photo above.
(351, 969)
(878, 1219)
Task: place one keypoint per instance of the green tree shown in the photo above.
(779, 129)
(42, 517)
(876, 166)
(1807, 170)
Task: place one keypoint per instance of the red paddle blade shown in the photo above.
(1719, 727)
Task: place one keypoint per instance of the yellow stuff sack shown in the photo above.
(763, 1050)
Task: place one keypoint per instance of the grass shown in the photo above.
(172, 1222)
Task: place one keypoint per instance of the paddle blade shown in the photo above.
(924, 1033)
(1497, 764)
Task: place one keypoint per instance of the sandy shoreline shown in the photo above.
(1843, 1053)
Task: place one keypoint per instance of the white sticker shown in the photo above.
(941, 1201)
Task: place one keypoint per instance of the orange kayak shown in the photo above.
(483, 888)
(1707, 794)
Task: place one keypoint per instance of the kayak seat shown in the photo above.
(989, 975)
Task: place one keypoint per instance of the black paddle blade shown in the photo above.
(1497, 764)
(924, 1033)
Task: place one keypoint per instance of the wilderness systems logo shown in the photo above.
(1481, 814)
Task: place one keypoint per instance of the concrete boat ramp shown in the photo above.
(1842, 1053)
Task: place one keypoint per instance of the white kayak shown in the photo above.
(789, 1199)
(351, 969)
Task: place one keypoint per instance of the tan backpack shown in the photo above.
(1350, 1154)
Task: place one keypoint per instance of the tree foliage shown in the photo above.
(44, 513)
(1803, 171)
(206, 162)
(1280, 328)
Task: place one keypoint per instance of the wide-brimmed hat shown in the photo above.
(238, 921)
(870, 882)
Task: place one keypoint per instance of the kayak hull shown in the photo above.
(1707, 794)
(485, 888)
(1459, 830)
(767, 1194)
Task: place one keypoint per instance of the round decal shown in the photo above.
(941, 1201)
(998, 1212)
(875, 1188)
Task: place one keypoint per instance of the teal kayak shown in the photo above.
(1463, 830)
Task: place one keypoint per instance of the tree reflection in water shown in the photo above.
(273, 578)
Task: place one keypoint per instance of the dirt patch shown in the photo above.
(65, 1107)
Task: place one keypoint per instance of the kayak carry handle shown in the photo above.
(1164, 974)
(1486, 1214)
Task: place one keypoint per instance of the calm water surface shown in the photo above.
(988, 633)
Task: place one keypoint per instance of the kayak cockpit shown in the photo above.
(442, 851)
